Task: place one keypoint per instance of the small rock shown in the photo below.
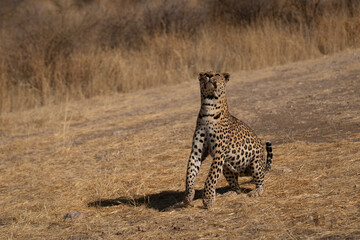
(118, 132)
(80, 237)
(75, 215)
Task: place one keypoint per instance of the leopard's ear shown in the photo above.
(201, 75)
(226, 76)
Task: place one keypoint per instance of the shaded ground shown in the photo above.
(121, 161)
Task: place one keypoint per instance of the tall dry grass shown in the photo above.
(60, 50)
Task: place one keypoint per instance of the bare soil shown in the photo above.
(114, 167)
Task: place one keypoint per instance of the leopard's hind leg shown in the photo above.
(258, 173)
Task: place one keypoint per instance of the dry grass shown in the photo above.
(121, 161)
(52, 51)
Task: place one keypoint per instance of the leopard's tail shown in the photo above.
(269, 156)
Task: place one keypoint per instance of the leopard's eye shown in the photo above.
(217, 75)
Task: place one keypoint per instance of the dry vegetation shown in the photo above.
(120, 161)
(115, 164)
(54, 51)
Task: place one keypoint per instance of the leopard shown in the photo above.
(235, 149)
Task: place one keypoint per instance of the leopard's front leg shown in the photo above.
(198, 153)
(209, 193)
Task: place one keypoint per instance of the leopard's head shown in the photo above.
(212, 84)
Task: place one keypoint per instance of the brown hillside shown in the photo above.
(120, 160)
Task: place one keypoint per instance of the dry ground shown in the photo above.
(120, 161)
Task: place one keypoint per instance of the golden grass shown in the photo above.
(56, 51)
(121, 161)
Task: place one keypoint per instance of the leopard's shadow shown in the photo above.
(162, 201)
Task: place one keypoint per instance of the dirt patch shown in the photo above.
(302, 106)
